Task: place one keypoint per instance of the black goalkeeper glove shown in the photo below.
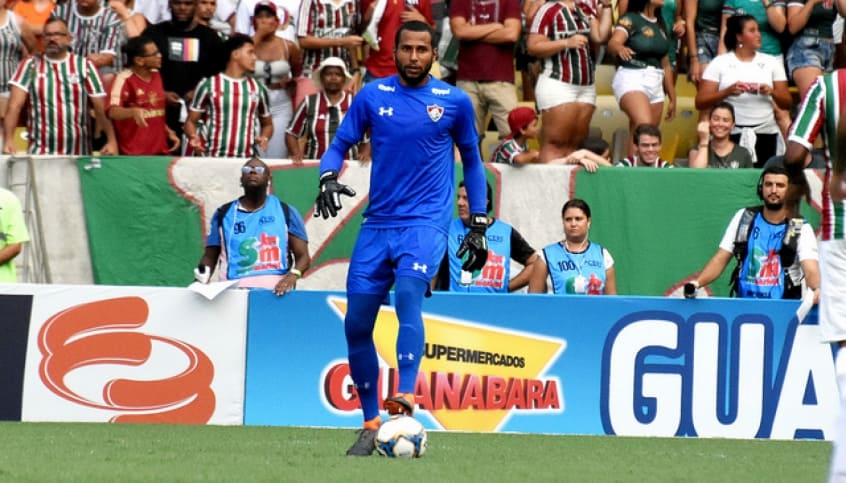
(475, 244)
(329, 199)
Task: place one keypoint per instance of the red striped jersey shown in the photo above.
(325, 19)
(820, 114)
(233, 108)
(317, 120)
(556, 21)
(59, 93)
(99, 33)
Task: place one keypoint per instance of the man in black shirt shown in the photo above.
(188, 55)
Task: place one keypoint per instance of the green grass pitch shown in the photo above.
(154, 453)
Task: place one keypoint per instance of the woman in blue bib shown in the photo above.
(575, 265)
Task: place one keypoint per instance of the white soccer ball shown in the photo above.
(401, 437)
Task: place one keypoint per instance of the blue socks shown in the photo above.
(358, 328)
(409, 294)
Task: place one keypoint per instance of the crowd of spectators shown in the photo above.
(744, 54)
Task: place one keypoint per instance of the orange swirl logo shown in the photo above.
(98, 333)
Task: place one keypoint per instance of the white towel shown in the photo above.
(748, 138)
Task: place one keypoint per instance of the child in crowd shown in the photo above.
(593, 152)
(514, 150)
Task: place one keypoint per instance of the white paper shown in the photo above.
(805, 306)
(213, 289)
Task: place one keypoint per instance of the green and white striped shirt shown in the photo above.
(820, 114)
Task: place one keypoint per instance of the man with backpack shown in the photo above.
(774, 247)
(258, 238)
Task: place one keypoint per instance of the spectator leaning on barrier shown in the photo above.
(504, 244)
(774, 246)
(59, 86)
(592, 153)
(647, 143)
(13, 234)
(575, 265)
(233, 105)
(257, 238)
(137, 103)
(523, 123)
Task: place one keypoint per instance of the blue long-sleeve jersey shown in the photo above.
(412, 131)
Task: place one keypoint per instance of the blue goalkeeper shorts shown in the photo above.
(382, 254)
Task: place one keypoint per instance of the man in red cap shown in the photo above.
(523, 122)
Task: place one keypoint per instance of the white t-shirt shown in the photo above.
(806, 248)
(749, 109)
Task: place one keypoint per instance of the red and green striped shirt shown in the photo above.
(233, 108)
(325, 19)
(556, 21)
(318, 119)
(59, 92)
(820, 114)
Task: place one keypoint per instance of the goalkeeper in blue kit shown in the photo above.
(414, 121)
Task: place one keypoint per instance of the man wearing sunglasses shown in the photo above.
(137, 103)
(257, 238)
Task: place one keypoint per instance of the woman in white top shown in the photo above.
(276, 60)
(749, 81)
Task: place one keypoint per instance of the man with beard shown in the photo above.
(257, 238)
(414, 121)
(190, 52)
(60, 86)
(775, 248)
(230, 104)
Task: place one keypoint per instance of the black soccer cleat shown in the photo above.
(365, 444)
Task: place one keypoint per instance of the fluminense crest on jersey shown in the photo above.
(435, 111)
